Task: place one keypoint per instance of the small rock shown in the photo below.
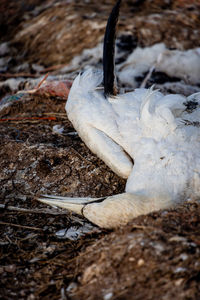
(140, 262)
(179, 281)
(10, 268)
(131, 259)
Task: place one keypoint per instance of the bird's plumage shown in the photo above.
(149, 138)
(147, 127)
(143, 126)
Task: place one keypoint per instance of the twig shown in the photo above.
(141, 227)
(9, 75)
(147, 77)
(21, 226)
(59, 115)
(32, 211)
(28, 118)
(55, 114)
(41, 82)
(7, 237)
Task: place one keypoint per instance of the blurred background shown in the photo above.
(48, 33)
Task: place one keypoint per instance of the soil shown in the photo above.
(155, 256)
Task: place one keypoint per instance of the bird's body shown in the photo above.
(149, 138)
(158, 132)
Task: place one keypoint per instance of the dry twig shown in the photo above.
(21, 226)
(32, 211)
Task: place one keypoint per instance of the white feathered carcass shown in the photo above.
(149, 138)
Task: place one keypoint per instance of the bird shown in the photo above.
(150, 139)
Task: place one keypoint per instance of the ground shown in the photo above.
(43, 254)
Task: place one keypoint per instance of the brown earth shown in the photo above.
(54, 32)
(155, 256)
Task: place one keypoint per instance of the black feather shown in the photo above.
(109, 52)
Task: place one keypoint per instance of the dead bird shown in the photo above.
(148, 138)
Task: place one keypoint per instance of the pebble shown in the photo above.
(10, 268)
(131, 259)
(179, 281)
(140, 262)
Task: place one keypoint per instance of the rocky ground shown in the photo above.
(45, 252)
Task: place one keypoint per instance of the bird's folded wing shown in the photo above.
(109, 151)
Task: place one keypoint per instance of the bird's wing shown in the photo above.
(108, 150)
(94, 119)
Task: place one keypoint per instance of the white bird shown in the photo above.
(149, 138)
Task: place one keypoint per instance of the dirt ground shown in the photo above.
(43, 255)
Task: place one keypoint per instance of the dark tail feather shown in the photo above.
(109, 52)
